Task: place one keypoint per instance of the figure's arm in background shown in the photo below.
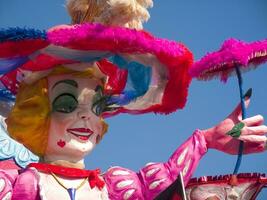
(156, 177)
(7, 180)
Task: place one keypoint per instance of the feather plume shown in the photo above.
(124, 13)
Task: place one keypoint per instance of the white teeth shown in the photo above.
(79, 133)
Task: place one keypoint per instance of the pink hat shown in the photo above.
(143, 73)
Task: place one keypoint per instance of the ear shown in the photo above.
(104, 127)
(98, 139)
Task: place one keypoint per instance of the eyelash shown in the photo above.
(63, 94)
(101, 103)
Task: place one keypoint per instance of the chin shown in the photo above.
(77, 149)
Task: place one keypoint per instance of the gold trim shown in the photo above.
(62, 185)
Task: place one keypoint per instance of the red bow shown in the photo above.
(93, 175)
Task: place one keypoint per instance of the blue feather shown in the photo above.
(17, 34)
(6, 95)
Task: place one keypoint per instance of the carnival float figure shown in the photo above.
(68, 79)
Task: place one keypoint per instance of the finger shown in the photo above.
(254, 130)
(254, 121)
(237, 113)
(260, 139)
(254, 147)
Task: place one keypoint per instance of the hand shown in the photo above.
(253, 133)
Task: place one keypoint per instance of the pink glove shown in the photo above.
(253, 133)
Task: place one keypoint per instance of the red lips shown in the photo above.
(81, 133)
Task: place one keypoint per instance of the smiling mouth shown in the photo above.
(81, 133)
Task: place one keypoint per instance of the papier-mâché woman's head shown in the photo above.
(54, 116)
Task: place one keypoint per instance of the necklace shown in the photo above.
(71, 191)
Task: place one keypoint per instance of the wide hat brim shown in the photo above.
(143, 73)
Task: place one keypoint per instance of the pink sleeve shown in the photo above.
(156, 177)
(7, 180)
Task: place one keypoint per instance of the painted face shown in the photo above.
(74, 128)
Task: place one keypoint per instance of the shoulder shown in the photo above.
(26, 185)
(17, 185)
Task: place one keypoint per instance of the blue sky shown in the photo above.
(132, 141)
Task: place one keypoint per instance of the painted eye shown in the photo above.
(98, 108)
(101, 102)
(65, 103)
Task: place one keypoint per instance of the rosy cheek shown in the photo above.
(61, 143)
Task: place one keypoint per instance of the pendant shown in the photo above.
(72, 193)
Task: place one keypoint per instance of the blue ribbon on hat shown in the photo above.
(138, 80)
(9, 64)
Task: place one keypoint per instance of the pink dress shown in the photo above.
(120, 183)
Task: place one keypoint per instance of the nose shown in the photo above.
(84, 113)
(85, 99)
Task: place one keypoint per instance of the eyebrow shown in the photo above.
(67, 81)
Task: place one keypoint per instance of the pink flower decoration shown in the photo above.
(233, 53)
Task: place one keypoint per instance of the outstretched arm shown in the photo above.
(156, 177)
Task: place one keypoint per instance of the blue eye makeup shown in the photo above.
(65, 103)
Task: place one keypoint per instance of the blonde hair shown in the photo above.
(125, 13)
(29, 119)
